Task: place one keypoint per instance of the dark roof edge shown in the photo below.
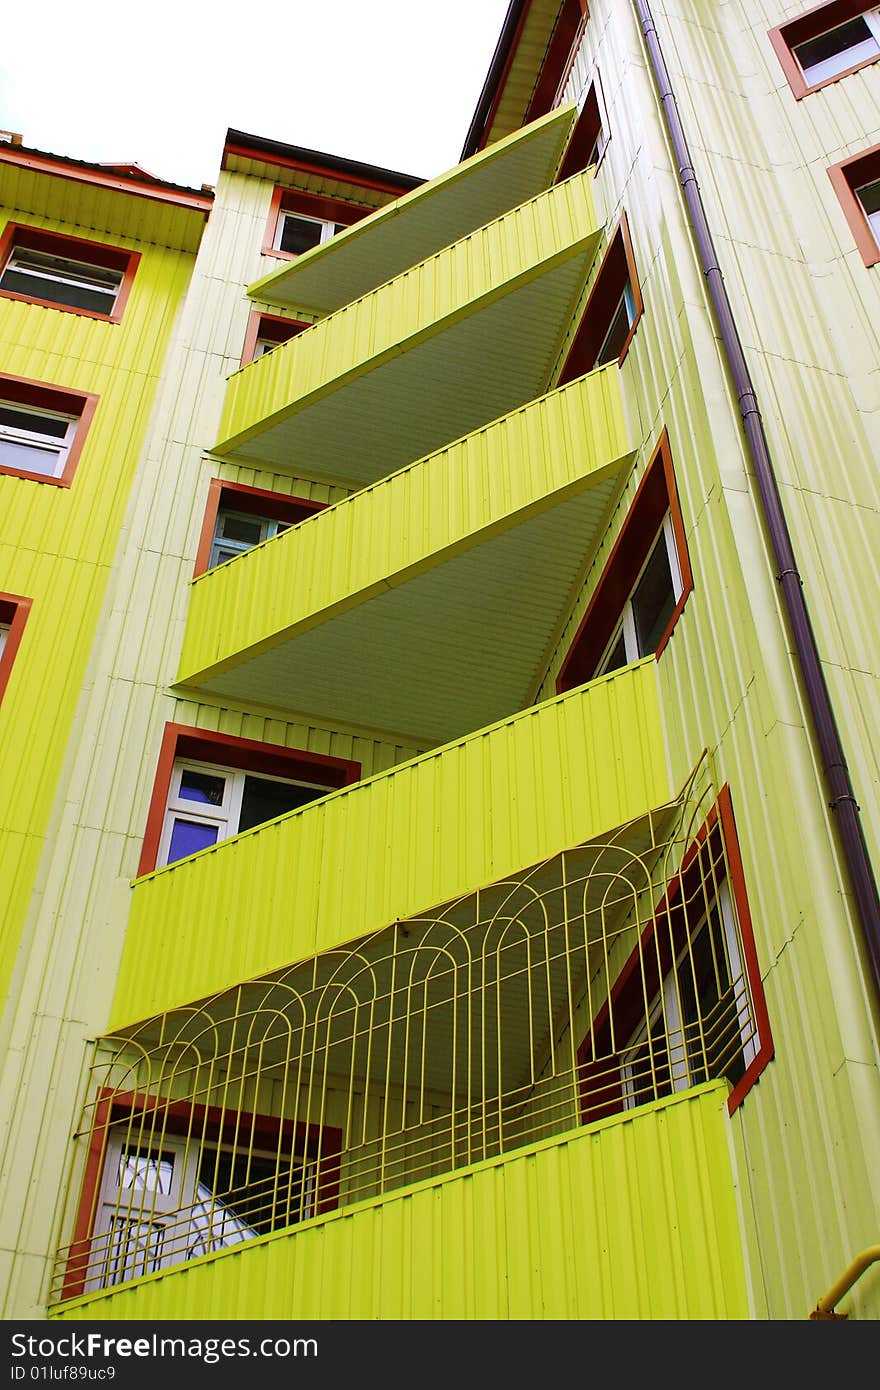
(277, 152)
(493, 77)
(117, 174)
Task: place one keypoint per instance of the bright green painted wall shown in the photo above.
(628, 1219)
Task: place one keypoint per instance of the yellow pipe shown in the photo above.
(826, 1305)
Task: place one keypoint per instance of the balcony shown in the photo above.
(447, 624)
(384, 849)
(444, 1066)
(460, 339)
(423, 222)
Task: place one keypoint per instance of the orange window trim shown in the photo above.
(642, 974)
(42, 395)
(587, 129)
(255, 501)
(14, 610)
(309, 1141)
(225, 750)
(845, 178)
(310, 205)
(19, 234)
(618, 265)
(273, 326)
(656, 494)
(786, 37)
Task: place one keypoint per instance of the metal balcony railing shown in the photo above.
(607, 977)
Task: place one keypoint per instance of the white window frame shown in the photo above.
(328, 229)
(872, 218)
(59, 445)
(269, 528)
(847, 57)
(668, 1001)
(627, 623)
(4, 633)
(81, 275)
(628, 301)
(225, 817)
(198, 1222)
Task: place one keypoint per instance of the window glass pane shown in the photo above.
(616, 336)
(56, 426)
(265, 1193)
(205, 787)
(145, 1170)
(299, 234)
(836, 50)
(615, 658)
(232, 526)
(339, 227)
(869, 197)
(72, 283)
(708, 1006)
(653, 599)
(29, 457)
(264, 799)
(187, 837)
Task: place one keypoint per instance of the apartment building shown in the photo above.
(444, 611)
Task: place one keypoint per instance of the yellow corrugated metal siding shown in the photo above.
(630, 1219)
(808, 1135)
(547, 230)
(439, 505)
(446, 823)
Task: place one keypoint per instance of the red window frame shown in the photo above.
(41, 395)
(226, 750)
(845, 178)
(641, 977)
(273, 326)
(657, 493)
(618, 266)
(309, 1141)
(255, 501)
(786, 37)
(310, 205)
(19, 234)
(588, 128)
(14, 610)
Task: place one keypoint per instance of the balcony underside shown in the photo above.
(446, 625)
(459, 340)
(416, 226)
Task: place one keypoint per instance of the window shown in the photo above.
(14, 612)
(266, 331)
(687, 1004)
(64, 272)
(613, 310)
(299, 221)
(168, 1182)
(643, 587)
(42, 429)
(210, 786)
(589, 137)
(827, 43)
(856, 181)
(239, 517)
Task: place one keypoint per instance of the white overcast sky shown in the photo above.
(389, 82)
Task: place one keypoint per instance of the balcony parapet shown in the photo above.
(459, 339)
(399, 235)
(454, 610)
(468, 813)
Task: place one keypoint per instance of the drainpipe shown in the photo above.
(842, 800)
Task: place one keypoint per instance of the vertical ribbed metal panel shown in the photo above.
(807, 310)
(467, 814)
(633, 1219)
